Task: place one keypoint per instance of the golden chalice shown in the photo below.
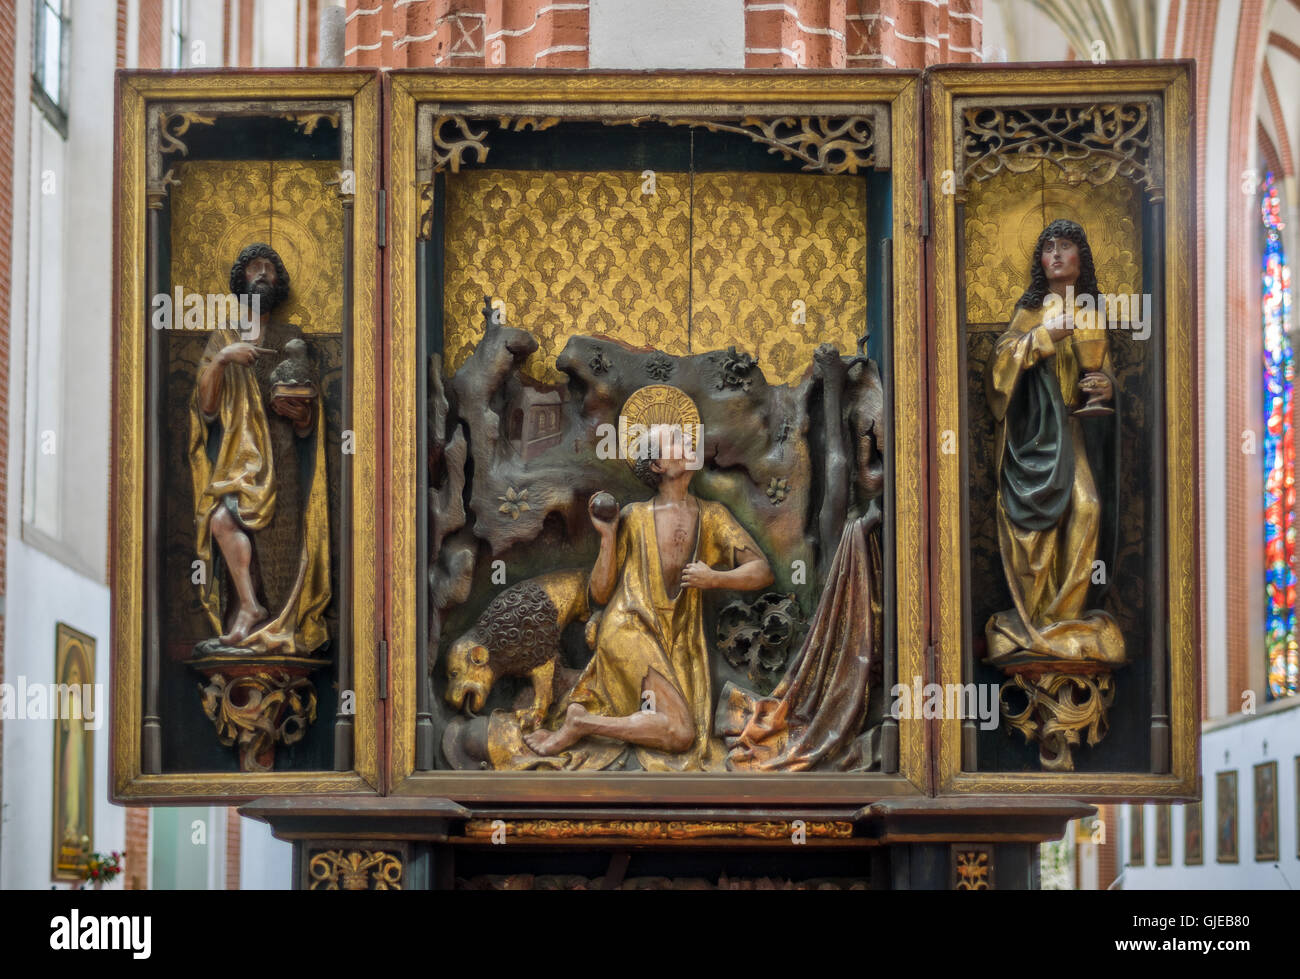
(1090, 346)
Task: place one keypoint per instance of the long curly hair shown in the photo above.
(1087, 281)
(239, 277)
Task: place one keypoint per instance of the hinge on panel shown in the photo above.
(382, 233)
(383, 669)
(925, 208)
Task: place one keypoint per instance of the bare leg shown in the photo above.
(238, 552)
(668, 727)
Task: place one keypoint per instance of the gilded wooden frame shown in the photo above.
(1171, 84)
(135, 91)
(549, 93)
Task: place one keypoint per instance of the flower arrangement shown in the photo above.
(101, 869)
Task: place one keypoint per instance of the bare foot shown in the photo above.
(553, 742)
(245, 619)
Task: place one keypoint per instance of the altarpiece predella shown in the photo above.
(592, 438)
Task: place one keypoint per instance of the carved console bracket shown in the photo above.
(1052, 716)
(257, 703)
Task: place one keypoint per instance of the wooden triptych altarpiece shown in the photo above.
(352, 554)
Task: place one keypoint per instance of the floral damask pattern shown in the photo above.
(772, 263)
(570, 253)
(780, 266)
(222, 205)
(1006, 213)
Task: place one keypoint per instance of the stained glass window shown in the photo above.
(1279, 458)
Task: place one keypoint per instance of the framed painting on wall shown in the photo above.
(1225, 800)
(1164, 836)
(1137, 836)
(1266, 847)
(1193, 828)
(74, 773)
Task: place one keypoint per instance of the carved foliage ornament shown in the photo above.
(259, 710)
(822, 143)
(1109, 140)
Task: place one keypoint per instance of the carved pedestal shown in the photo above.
(369, 843)
(257, 702)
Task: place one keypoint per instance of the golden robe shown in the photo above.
(233, 462)
(1048, 570)
(641, 629)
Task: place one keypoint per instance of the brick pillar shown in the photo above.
(135, 869)
(1243, 350)
(467, 33)
(232, 848)
(1108, 850)
(247, 13)
(121, 33)
(1198, 44)
(150, 53)
(313, 33)
(795, 34)
(8, 65)
(537, 34)
(866, 34)
(1171, 31)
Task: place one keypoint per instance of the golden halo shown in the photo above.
(656, 404)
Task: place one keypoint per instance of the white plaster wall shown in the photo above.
(265, 863)
(43, 590)
(275, 32)
(1016, 30)
(667, 34)
(204, 23)
(1235, 744)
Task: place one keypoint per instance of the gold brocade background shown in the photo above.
(587, 253)
(1005, 215)
(223, 205)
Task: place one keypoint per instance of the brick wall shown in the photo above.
(232, 849)
(121, 33)
(861, 33)
(546, 34)
(8, 54)
(135, 870)
(1108, 851)
(467, 33)
(1243, 350)
(246, 16)
(1198, 43)
(150, 54)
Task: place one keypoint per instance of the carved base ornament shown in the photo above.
(1052, 715)
(257, 707)
(354, 870)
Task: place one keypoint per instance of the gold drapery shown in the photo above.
(244, 469)
(641, 629)
(813, 717)
(1048, 571)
